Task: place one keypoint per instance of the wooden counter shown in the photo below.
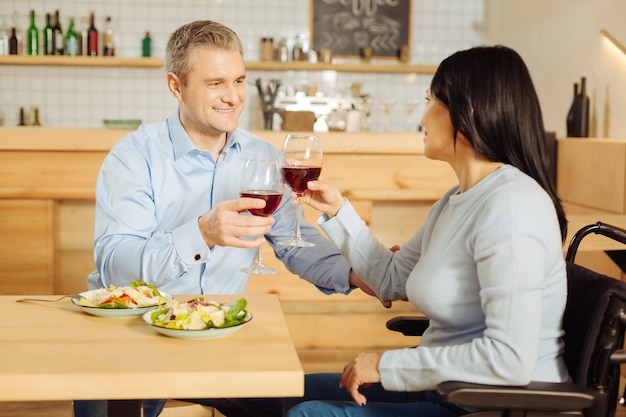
(592, 173)
(47, 181)
(78, 139)
(47, 178)
(28, 172)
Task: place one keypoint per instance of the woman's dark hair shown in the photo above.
(493, 103)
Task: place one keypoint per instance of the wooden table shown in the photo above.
(54, 351)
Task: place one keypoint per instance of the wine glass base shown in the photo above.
(259, 270)
(296, 242)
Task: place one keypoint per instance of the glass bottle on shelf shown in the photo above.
(19, 35)
(57, 35)
(33, 36)
(298, 49)
(108, 43)
(283, 50)
(578, 116)
(13, 42)
(71, 40)
(34, 116)
(92, 37)
(146, 45)
(267, 49)
(5, 33)
(22, 121)
(83, 36)
(47, 36)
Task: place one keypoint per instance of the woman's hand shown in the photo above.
(361, 371)
(323, 197)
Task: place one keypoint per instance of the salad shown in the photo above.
(136, 295)
(198, 314)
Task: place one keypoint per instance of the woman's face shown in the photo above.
(438, 137)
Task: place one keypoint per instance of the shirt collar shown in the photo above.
(181, 142)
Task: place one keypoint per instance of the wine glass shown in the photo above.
(262, 179)
(386, 106)
(409, 108)
(301, 162)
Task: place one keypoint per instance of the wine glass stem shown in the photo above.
(296, 233)
(259, 257)
(386, 121)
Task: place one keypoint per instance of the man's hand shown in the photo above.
(355, 281)
(226, 225)
(361, 371)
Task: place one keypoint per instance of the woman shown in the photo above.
(487, 265)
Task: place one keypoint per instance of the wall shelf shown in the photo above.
(391, 68)
(80, 61)
(105, 61)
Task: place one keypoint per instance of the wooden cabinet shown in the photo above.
(591, 181)
(592, 173)
(26, 246)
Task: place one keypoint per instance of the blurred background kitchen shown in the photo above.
(559, 39)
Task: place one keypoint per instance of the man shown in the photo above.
(168, 210)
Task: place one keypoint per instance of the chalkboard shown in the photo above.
(346, 26)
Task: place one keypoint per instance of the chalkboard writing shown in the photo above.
(346, 26)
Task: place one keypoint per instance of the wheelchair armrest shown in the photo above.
(537, 396)
(618, 356)
(408, 325)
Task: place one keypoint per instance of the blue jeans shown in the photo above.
(323, 397)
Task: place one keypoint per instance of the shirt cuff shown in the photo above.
(388, 372)
(189, 244)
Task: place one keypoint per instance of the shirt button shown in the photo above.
(197, 257)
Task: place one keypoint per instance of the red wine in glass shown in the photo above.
(261, 179)
(301, 162)
(297, 177)
(272, 200)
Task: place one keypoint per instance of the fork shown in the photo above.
(45, 301)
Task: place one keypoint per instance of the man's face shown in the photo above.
(215, 93)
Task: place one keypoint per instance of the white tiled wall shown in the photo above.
(83, 96)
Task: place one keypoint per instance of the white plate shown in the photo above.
(112, 312)
(195, 334)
